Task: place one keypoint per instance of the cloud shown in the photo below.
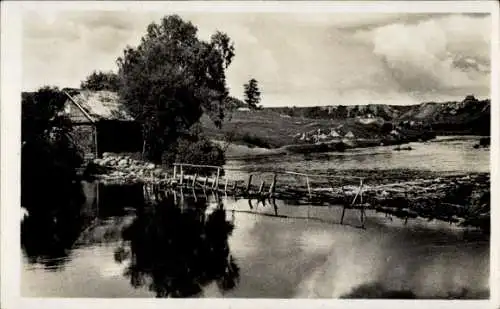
(436, 55)
(298, 59)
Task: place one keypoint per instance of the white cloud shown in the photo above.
(424, 56)
(297, 59)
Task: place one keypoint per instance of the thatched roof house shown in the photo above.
(334, 133)
(93, 106)
(101, 123)
(349, 135)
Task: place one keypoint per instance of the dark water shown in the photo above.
(118, 245)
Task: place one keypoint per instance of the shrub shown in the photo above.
(195, 150)
(255, 141)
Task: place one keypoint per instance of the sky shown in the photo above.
(298, 59)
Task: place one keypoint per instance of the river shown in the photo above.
(116, 245)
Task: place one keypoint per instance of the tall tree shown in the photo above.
(171, 78)
(252, 93)
(101, 81)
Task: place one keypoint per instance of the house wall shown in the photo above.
(119, 136)
(84, 138)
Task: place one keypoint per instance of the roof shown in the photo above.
(349, 134)
(97, 105)
(334, 133)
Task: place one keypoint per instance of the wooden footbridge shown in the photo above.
(296, 187)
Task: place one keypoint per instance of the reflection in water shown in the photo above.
(177, 251)
(50, 229)
(185, 246)
(377, 290)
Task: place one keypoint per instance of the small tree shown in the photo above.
(101, 81)
(252, 94)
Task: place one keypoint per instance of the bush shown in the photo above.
(195, 150)
(255, 141)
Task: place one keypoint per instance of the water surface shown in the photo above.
(118, 245)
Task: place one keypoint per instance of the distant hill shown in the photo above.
(470, 116)
(387, 124)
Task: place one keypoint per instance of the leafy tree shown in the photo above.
(101, 81)
(252, 94)
(48, 156)
(341, 112)
(171, 79)
(387, 127)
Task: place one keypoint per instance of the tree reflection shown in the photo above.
(175, 251)
(50, 229)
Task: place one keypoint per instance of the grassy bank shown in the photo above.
(271, 130)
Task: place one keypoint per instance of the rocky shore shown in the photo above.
(116, 168)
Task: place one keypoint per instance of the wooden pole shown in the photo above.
(272, 186)
(361, 191)
(235, 185)
(175, 172)
(194, 180)
(217, 179)
(261, 186)
(308, 187)
(249, 182)
(343, 213)
(361, 201)
(225, 186)
(205, 183)
(182, 176)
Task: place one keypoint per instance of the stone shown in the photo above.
(106, 155)
(158, 172)
(150, 166)
(122, 162)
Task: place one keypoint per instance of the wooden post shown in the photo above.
(194, 180)
(235, 185)
(249, 182)
(175, 172)
(308, 187)
(361, 191)
(362, 209)
(343, 213)
(261, 186)
(182, 176)
(217, 180)
(205, 183)
(272, 186)
(225, 186)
